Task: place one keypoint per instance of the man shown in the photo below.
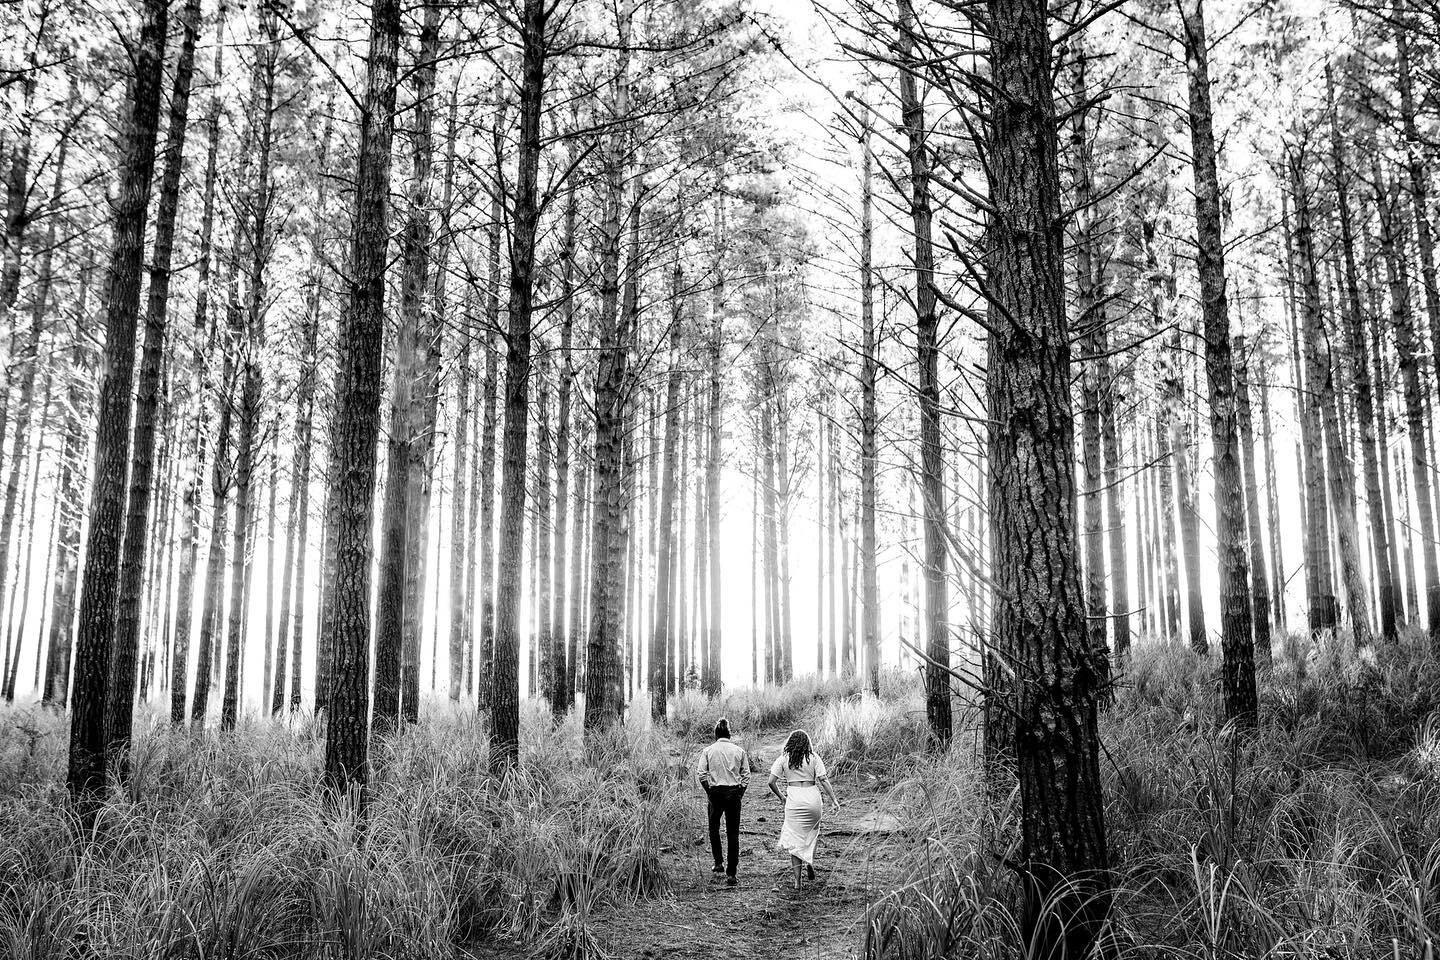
(724, 775)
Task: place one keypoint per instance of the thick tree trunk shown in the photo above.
(94, 641)
(505, 697)
(121, 695)
(350, 508)
(1039, 612)
(604, 693)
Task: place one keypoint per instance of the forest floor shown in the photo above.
(858, 859)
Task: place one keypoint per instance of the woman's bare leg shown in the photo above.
(797, 863)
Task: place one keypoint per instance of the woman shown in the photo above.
(804, 775)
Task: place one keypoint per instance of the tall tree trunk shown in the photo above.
(1236, 635)
(713, 452)
(869, 421)
(489, 427)
(561, 659)
(85, 778)
(660, 642)
(1039, 611)
(195, 430)
(604, 695)
(350, 508)
(1089, 328)
(505, 702)
(404, 462)
(1272, 502)
(540, 529)
(121, 695)
(932, 450)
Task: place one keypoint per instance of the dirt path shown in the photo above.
(763, 916)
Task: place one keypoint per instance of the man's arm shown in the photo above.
(744, 767)
(704, 769)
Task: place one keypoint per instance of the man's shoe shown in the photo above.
(730, 881)
(718, 868)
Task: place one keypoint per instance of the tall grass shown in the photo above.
(222, 845)
(1319, 836)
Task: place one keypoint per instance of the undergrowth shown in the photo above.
(1317, 837)
(222, 846)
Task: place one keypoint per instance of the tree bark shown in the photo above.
(1090, 329)
(505, 697)
(1236, 634)
(121, 695)
(869, 419)
(85, 777)
(932, 451)
(350, 508)
(1039, 612)
(395, 636)
(562, 665)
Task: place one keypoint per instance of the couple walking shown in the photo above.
(724, 770)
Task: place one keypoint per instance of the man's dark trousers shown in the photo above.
(725, 801)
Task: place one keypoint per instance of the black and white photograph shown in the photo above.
(707, 479)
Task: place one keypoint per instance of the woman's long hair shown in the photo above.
(797, 748)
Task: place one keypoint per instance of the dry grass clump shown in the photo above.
(223, 846)
(1317, 837)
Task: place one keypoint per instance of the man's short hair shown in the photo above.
(722, 729)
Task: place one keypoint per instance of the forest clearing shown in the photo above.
(585, 479)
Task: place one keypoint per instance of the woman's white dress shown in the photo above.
(803, 805)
